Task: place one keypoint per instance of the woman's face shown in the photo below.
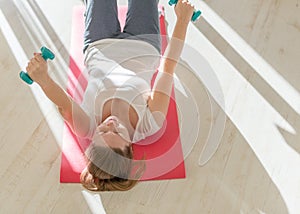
(112, 133)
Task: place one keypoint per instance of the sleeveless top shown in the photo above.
(121, 68)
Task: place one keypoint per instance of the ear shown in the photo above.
(130, 147)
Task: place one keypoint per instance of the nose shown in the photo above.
(110, 124)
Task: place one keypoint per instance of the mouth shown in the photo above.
(112, 118)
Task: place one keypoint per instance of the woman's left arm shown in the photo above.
(160, 97)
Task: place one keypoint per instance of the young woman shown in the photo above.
(119, 107)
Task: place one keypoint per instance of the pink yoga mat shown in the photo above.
(164, 158)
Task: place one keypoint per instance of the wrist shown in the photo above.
(182, 22)
(46, 83)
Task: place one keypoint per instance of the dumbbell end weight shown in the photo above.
(26, 78)
(172, 2)
(196, 15)
(47, 54)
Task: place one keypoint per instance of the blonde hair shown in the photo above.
(110, 169)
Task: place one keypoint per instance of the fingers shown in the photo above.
(28, 67)
(35, 61)
(37, 69)
(184, 10)
(185, 4)
(188, 3)
(38, 57)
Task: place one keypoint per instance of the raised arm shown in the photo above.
(71, 112)
(162, 89)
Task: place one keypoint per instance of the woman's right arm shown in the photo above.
(71, 112)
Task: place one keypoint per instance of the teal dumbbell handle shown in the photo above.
(46, 54)
(196, 14)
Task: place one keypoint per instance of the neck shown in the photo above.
(125, 122)
(122, 111)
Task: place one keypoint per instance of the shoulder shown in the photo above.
(153, 121)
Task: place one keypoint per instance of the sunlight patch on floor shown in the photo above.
(47, 108)
(255, 118)
(94, 202)
(264, 69)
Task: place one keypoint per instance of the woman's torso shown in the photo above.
(119, 80)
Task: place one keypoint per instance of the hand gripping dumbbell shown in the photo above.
(46, 54)
(196, 13)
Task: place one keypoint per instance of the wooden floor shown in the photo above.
(235, 180)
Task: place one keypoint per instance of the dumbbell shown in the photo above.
(46, 54)
(196, 13)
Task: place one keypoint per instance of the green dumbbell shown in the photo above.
(46, 54)
(196, 13)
